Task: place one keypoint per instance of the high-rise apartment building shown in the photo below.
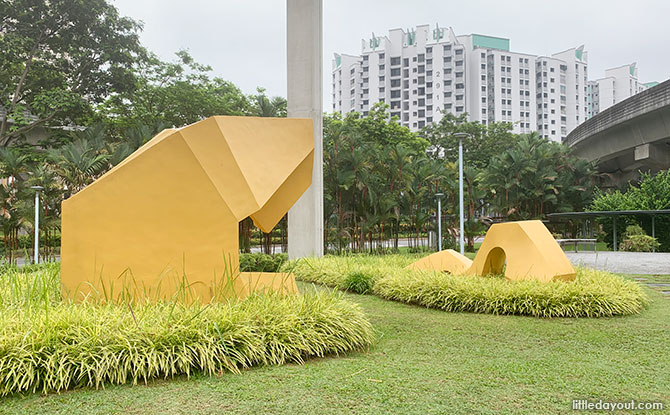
(618, 84)
(426, 72)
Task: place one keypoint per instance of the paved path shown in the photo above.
(624, 262)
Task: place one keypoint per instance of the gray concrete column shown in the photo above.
(304, 52)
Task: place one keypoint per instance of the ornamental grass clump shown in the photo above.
(340, 271)
(50, 345)
(593, 294)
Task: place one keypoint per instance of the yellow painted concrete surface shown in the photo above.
(524, 250)
(167, 216)
(447, 260)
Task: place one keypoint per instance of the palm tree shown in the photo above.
(12, 166)
(79, 163)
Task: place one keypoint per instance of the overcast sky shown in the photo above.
(244, 40)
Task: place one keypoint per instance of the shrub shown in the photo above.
(50, 345)
(634, 230)
(636, 240)
(258, 262)
(651, 193)
(640, 243)
(592, 294)
(357, 282)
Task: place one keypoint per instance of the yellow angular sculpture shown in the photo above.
(525, 250)
(167, 216)
(443, 260)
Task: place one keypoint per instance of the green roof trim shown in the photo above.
(651, 84)
(490, 42)
(631, 69)
(338, 60)
(411, 37)
(374, 42)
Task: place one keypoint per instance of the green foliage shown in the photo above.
(60, 58)
(174, 93)
(593, 294)
(652, 192)
(48, 345)
(639, 243)
(357, 282)
(536, 176)
(378, 181)
(333, 270)
(485, 142)
(258, 262)
(636, 240)
(634, 230)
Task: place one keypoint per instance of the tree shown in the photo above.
(372, 192)
(173, 93)
(537, 176)
(264, 106)
(59, 58)
(485, 142)
(652, 192)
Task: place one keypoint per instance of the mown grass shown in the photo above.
(51, 345)
(425, 362)
(592, 294)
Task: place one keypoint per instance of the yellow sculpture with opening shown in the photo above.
(523, 250)
(165, 220)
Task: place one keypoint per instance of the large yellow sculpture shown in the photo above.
(166, 218)
(522, 250)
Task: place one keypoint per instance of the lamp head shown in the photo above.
(462, 135)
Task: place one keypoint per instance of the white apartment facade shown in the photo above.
(426, 72)
(618, 84)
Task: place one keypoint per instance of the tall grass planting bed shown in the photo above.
(355, 273)
(593, 293)
(49, 345)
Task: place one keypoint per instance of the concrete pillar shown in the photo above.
(304, 52)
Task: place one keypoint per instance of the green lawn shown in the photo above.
(425, 361)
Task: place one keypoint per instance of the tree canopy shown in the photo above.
(59, 58)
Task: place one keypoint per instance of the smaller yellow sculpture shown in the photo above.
(447, 260)
(523, 250)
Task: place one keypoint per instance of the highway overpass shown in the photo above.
(628, 137)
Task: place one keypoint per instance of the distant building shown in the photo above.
(424, 73)
(618, 84)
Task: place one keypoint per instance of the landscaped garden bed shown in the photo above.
(47, 344)
(592, 294)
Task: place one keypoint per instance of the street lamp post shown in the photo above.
(37, 222)
(439, 220)
(460, 187)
